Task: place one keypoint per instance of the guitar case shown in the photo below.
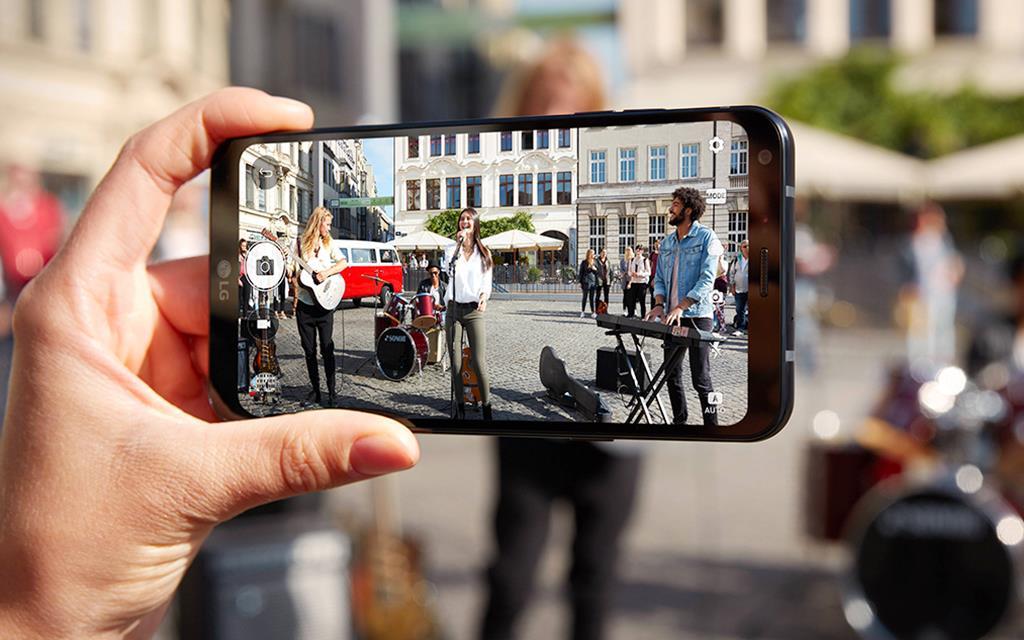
(565, 389)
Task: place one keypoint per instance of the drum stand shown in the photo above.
(373, 349)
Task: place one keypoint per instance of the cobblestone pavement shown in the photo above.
(517, 330)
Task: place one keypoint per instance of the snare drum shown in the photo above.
(932, 560)
(423, 314)
(400, 351)
(383, 320)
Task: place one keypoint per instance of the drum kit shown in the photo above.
(406, 333)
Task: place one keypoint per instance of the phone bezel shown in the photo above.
(770, 226)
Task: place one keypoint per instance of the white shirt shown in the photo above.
(471, 281)
(640, 270)
(326, 257)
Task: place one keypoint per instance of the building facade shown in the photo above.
(497, 173)
(628, 174)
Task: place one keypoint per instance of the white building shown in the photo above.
(289, 193)
(628, 174)
(497, 173)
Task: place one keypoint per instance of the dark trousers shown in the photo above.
(740, 319)
(604, 289)
(700, 375)
(282, 290)
(315, 321)
(245, 297)
(589, 293)
(532, 474)
(637, 295)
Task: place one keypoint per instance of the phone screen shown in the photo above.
(524, 275)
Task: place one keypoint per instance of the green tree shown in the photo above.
(445, 223)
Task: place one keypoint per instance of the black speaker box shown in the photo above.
(613, 373)
(276, 576)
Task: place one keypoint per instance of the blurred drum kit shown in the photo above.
(927, 504)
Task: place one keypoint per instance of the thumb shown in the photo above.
(257, 461)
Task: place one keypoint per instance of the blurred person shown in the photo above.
(721, 286)
(812, 260)
(683, 296)
(627, 257)
(599, 482)
(589, 277)
(278, 227)
(639, 278)
(932, 271)
(471, 270)
(317, 247)
(106, 496)
(655, 252)
(739, 277)
(244, 286)
(604, 275)
(424, 263)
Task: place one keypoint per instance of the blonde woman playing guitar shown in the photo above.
(318, 251)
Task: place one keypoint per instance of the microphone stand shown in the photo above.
(452, 355)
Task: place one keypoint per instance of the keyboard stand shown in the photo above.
(642, 397)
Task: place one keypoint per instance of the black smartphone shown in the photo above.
(598, 275)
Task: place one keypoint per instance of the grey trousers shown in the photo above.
(461, 318)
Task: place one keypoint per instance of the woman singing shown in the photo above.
(470, 267)
(317, 248)
(589, 283)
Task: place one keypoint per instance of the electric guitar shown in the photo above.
(328, 294)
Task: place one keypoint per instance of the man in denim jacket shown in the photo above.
(682, 292)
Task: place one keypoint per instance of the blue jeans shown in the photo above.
(740, 319)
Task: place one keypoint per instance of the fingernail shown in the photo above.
(383, 453)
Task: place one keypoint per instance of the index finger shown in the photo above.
(125, 215)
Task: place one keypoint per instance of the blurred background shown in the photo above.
(908, 118)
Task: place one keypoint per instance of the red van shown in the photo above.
(373, 270)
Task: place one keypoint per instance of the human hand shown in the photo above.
(111, 475)
(675, 315)
(655, 314)
(482, 306)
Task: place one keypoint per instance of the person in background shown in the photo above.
(655, 251)
(599, 482)
(434, 285)
(813, 259)
(424, 263)
(722, 287)
(244, 286)
(627, 257)
(604, 275)
(588, 277)
(739, 275)
(639, 278)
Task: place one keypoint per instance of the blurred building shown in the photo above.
(704, 52)
(78, 78)
(497, 173)
(627, 176)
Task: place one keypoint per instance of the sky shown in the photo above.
(381, 156)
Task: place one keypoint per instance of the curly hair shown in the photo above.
(692, 200)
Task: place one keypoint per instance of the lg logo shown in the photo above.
(223, 270)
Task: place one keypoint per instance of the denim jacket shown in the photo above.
(699, 250)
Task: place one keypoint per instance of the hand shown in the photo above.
(319, 277)
(111, 476)
(482, 306)
(676, 313)
(655, 314)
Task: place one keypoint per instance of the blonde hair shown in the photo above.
(590, 258)
(312, 239)
(629, 254)
(564, 54)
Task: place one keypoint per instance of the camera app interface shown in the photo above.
(574, 275)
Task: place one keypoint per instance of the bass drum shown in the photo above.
(400, 351)
(932, 561)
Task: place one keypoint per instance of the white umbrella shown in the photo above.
(992, 171)
(423, 241)
(516, 240)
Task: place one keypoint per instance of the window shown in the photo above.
(688, 160)
(433, 193)
(412, 195)
(657, 228)
(542, 139)
(506, 190)
(388, 256)
(627, 165)
(658, 156)
(565, 187)
(250, 187)
(293, 202)
(527, 140)
(525, 189)
(597, 167)
(435, 146)
(956, 17)
(453, 193)
(362, 256)
(473, 144)
(597, 239)
(627, 233)
(413, 147)
(788, 21)
(449, 145)
(738, 158)
(261, 199)
(506, 140)
(737, 230)
(543, 188)
(474, 191)
(704, 23)
(564, 139)
(869, 19)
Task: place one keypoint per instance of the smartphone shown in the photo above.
(599, 276)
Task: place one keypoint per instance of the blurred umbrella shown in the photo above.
(516, 240)
(838, 167)
(993, 171)
(423, 241)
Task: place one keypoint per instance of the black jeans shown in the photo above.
(313, 321)
(589, 293)
(604, 289)
(637, 294)
(532, 474)
(700, 376)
